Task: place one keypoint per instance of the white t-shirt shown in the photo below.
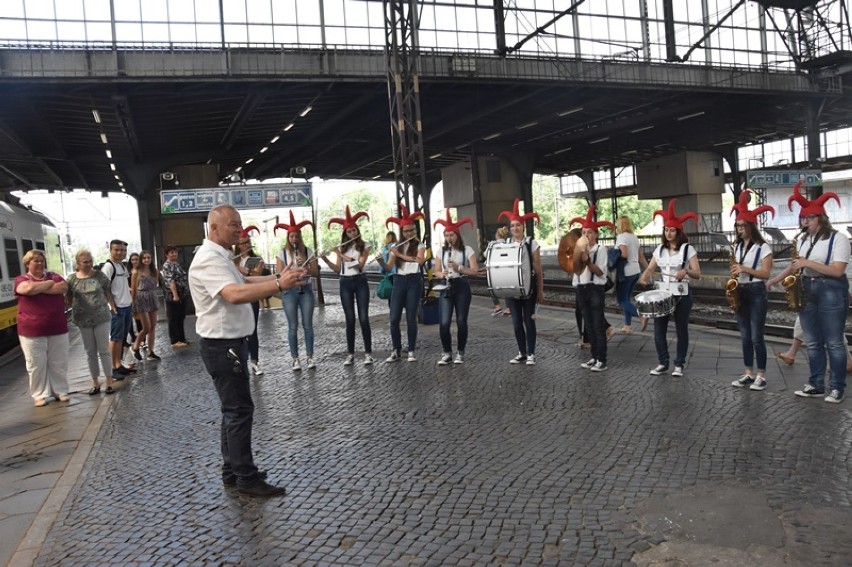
(352, 268)
(598, 255)
(819, 253)
(211, 270)
(748, 260)
(631, 268)
(671, 264)
(453, 255)
(405, 268)
(120, 285)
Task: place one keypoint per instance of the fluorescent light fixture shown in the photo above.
(561, 151)
(112, 166)
(637, 130)
(117, 177)
(758, 137)
(109, 154)
(688, 116)
(273, 140)
(263, 149)
(630, 152)
(575, 171)
(103, 138)
(599, 140)
(123, 190)
(96, 115)
(249, 160)
(435, 156)
(722, 144)
(375, 177)
(527, 125)
(492, 136)
(287, 128)
(567, 112)
(238, 169)
(120, 184)
(390, 171)
(305, 112)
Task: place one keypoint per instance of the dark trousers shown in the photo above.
(590, 297)
(523, 323)
(253, 341)
(356, 289)
(455, 299)
(176, 312)
(407, 291)
(683, 308)
(751, 318)
(226, 360)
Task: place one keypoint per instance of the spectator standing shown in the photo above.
(92, 306)
(243, 253)
(176, 282)
(144, 284)
(634, 262)
(43, 328)
(221, 294)
(122, 317)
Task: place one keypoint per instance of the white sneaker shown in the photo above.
(588, 364)
(394, 357)
(530, 360)
(350, 360)
(310, 363)
(677, 372)
(446, 359)
(518, 359)
(459, 358)
(368, 359)
(256, 369)
(659, 369)
(599, 366)
(296, 365)
(411, 357)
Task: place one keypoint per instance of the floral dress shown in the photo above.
(146, 299)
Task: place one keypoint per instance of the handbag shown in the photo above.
(385, 287)
(609, 284)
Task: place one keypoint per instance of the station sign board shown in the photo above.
(241, 197)
(783, 178)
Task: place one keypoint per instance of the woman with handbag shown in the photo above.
(591, 282)
(385, 287)
(351, 255)
(298, 299)
(455, 262)
(750, 268)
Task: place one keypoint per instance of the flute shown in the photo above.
(350, 241)
(394, 247)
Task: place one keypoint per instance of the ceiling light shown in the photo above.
(97, 116)
(599, 140)
(109, 154)
(435, 156)
(103, 138)
(112, 166)
(567, 112)
(722, 144)
(492, 136)
(574, 172)
(688, 116)
(376, 177)
(264, 148)
(637, 130)
(249, 160)
(561, 151)
(273, 140)
(117, 178)
(238, 169)
(305, 112)
(287, 128)
(528, 125)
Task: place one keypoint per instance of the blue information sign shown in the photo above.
(780, 178)
(241, 197)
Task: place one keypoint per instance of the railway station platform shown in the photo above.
(483, 463)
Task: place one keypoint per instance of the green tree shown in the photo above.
(373, 230)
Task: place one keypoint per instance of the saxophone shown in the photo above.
(793, 286)
(732, 291)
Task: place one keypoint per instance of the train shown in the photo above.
(22, 229)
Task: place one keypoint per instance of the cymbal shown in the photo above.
(565, 253)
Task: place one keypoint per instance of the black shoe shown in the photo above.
(129, 370)
(152, 356)
(109, 390)
(263, 489)
(232, 480)
(136, 354)
(95, 390)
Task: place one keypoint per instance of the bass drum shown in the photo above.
(509, 270)
(655, 303)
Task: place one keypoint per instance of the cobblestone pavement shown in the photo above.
(473, 464)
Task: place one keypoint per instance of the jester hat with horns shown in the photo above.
(589, 221)
(406, 219)
(450, 226)
(671, 220)
(293, 226)
(815, 207)
(744, 214)
(349, 220)
(515, 215)
(245, 232)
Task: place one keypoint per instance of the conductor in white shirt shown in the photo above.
(222, 297)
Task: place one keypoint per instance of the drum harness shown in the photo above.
(682, 265)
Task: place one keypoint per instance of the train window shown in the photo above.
(27, 244)
(40, 246)
(13, 257)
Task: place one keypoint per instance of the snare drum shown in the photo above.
(655, 303)
(673, 287)
(509, 270)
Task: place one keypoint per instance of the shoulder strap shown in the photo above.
(830, 248)
(684, 250)
(756, 261)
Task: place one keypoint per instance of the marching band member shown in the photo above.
(752, 266)
(524, 309)
(677, 260)
(300, 298)
(590, 288)
(351, 256)
(242, 252)
(823, 255)
(406, 257)
(455, 262)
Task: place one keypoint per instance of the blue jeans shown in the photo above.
(623, 289)
(227, 360)
(751, 319)
(823, 321)
(407, 291)
(456, 298)
(296, 300)
(590, 297)
(356, 289)
(682, 310)
(523, 323)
